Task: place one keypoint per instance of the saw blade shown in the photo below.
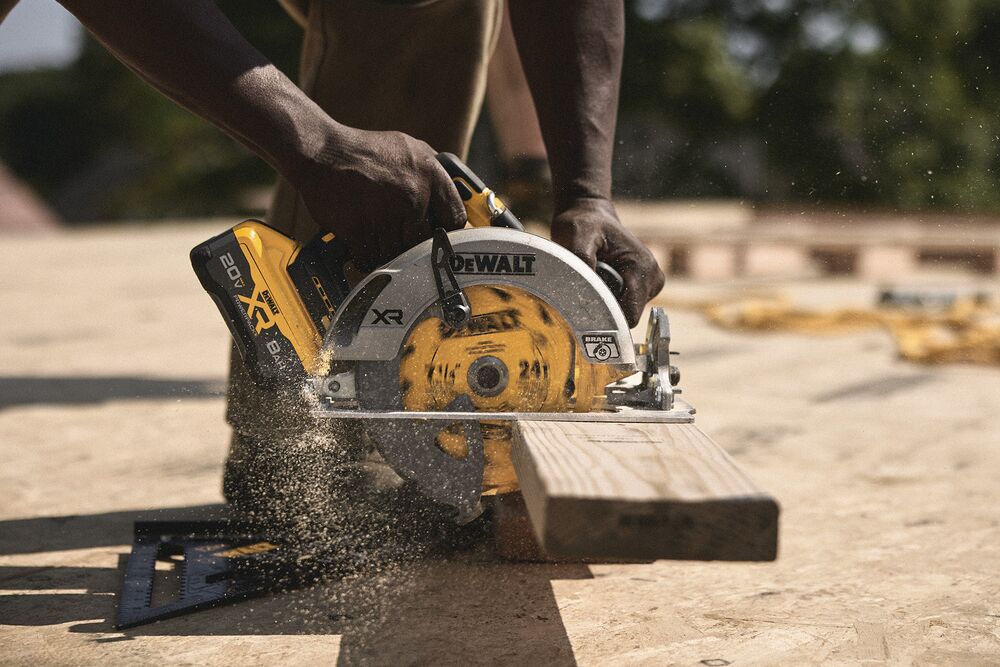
(516, 354)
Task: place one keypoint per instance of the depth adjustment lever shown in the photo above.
(455, 306)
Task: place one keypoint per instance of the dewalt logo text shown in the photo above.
(493, 264)
(487, 323)
(269, 300)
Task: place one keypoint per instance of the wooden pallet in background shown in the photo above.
(720, 240)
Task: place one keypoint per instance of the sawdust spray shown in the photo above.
(315, 486)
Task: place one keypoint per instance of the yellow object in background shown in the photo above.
(966, 331)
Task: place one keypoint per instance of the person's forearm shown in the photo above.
(572, 56)
(190, 51)
(5, 7)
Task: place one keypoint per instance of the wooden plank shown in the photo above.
(640, 491)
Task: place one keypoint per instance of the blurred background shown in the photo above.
(817, 177)
(824, 103)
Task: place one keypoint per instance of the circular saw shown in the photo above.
(440, 351)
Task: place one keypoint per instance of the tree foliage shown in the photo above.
(880, 102)
(887, 102)
(99, 143)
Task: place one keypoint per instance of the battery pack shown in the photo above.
(276, 295)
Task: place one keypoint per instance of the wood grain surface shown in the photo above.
(642, 491)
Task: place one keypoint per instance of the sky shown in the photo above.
(38, 33)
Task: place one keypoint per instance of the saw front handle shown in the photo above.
(485, 209)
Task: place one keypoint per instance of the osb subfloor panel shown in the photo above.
(888, 475)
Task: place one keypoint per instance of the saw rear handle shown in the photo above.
(278, 296)
(482, 206)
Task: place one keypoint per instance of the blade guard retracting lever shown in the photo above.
(455, 307)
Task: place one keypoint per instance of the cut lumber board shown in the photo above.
(640, 491)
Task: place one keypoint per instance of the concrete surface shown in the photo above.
(888, 474)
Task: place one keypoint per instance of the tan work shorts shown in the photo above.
(418, 68)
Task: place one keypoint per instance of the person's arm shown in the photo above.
(5, 7)
(571, 51)
(348, 178)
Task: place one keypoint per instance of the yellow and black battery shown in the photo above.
(276, 295)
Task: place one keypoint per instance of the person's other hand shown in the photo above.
(381, 193)
(590, 229)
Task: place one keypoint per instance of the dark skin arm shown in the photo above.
(378, 191)
(350, 179)
(571, 51)
(5, 7)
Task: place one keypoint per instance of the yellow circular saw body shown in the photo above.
(517, 354)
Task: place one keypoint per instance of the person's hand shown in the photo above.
(590, 229)
(381, 193)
